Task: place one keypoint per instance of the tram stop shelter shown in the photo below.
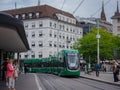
(12, 36)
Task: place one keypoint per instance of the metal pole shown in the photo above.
(98, 49)
(58, 37)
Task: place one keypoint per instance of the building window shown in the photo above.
(40, 33)
(23, 16)
(118, 20)
(54, 25)
(40, 43)
(60, 35)
(41, 24)
(33, 34)
(33, 55)
(30, 15)
(67, 46)
(60, 27)
(55, 34)
(50, 53)
(50, 33)
(70, 29)
(71, 37)
(63, 45)
(67, 29)
(67, 37)
(67, 19)
(50, 24)
(26, 25)
(60, 44)
(50, 43)
(118, 28)
(33, 44)
(55, 44)
(37, 14)
(63, 36)
(63, 27)
(33, 25)
(40, 54)
(19, 56)
(26, 56)
(17, 16)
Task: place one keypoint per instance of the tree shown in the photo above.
(87, 46)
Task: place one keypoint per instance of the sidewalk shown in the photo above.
(106, 77)
(24, 82)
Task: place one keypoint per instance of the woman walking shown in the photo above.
(9, 74)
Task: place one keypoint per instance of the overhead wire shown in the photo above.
(100, 8)
(78, 6)
(63, 4)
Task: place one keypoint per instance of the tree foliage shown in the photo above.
(87, 46)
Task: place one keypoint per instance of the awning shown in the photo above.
(12, 34)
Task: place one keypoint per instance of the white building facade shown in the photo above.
(116, 22)
(47, 35)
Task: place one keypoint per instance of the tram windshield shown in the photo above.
(73, 61)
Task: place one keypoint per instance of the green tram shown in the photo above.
(65, 63)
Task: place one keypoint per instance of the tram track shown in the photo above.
(54, 82)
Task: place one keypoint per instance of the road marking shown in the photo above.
(37, 82)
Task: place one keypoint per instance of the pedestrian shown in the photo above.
(9, 74)
(97, 68)
(16, 71)
(4, 70)
(115, 71)
(104, 67)
(25, 69)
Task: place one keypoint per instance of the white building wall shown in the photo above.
(74, 32)
(116, 26)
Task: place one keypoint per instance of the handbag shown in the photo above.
(15, 74)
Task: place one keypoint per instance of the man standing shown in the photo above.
(4, 68)
(115, 71)
(97, 68)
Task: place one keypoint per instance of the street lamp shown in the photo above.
(98, 37)
(57, 35)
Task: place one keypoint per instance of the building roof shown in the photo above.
(117, 13)
(12, 34)
(116, 16)
(103, 16)
(45, 11)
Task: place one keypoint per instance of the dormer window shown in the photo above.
(30, 15)
(23, 16)
(37, 14)
(16, 16)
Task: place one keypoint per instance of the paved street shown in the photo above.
(31, 81)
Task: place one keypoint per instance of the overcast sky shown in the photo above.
(87, 8)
